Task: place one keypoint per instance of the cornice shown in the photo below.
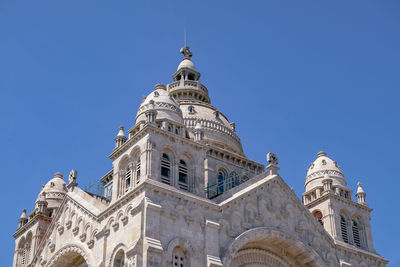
(23, 229)
(365, 253)
(339, 198)
(149, 127)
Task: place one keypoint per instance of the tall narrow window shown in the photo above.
(221, 181)
(108, 190)
(343, 227)
(128, 176)
(356, 234)
(165, 169)
(233, 180)
(138, 172)
(183, 176)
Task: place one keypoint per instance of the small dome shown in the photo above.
(161, 101)
(216, 127)
(322, 167)
(54, 191)
(186, 63)
(323, 163)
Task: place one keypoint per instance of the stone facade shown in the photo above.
(182, 193)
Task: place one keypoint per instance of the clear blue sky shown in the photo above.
(296, 76)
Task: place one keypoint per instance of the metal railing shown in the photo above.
(217, 188)
(98, 189)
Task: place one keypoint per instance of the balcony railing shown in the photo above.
(99, 189)
(217, 188)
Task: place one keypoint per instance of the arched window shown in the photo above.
(21, 252)
(356, 234)
(128, 176)
(24, 250)
(179, 257)
(165, 169)
(234, 180)
(183, 176)
(221, 181)
(138, 171)
(318, 215)
(343, 227)
(119, 260)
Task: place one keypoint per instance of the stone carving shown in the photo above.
(272, 158)
(60, 229)
(187, 54)
(72, 176)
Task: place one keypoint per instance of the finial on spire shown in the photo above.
(187, 54)
(360, 195)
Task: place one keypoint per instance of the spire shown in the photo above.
(120, 139)
(360, 195)
(186, 85)
(121, 131)
(23, 219)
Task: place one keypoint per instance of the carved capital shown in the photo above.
(82, 237)
(75, 230)
(52, 247)
(60, 229)
(115, 226)
(90, 244)
(124, 220)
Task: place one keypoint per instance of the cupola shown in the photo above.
(324, 168)
(160, 106)
(52, 193)
(186, 85)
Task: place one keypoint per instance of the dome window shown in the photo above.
(323, 162)
(156, 94)
(191, 110)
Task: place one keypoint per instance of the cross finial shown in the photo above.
(187, 54)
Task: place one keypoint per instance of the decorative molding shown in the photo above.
(66, 250)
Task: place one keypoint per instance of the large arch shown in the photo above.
(71, 256)
(257, 244)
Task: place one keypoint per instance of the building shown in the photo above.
(181, 192)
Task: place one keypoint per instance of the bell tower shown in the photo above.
(330, 201)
